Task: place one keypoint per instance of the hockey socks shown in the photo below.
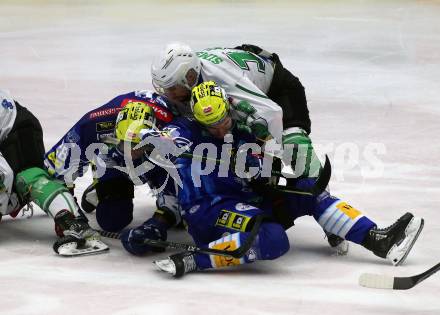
(35, 184)
(393, 243)
(270, 243)
(341, 219)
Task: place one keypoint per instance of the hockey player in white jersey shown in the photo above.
(264, 95)
(245, 75)
(23, 179)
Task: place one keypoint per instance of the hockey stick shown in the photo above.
(319, 186)
(237, 253)
(376, 281)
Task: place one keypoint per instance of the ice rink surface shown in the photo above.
(372, 75)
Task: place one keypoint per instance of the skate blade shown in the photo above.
(412, 241)
(93, 247)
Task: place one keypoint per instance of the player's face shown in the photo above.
(127, 149)
(222, 129)
(178, 93)
(137, 154)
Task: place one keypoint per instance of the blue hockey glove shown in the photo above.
(133, 239)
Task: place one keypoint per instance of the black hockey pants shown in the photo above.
(24, 148)
(287, 91)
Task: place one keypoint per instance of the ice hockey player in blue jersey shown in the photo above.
(95, 141)
(220, 208)
(264, 95)
(23, 179)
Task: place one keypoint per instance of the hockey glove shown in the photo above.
(133, 239)
(248, 115)
(255, 49)
(304, 162)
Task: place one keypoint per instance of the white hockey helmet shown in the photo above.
(173, 64)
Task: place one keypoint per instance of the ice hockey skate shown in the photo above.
(338, 244)
(396, 241)
(78, 237)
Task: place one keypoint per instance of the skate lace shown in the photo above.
(388, 227)
(81, 228)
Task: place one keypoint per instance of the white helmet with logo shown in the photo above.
(171, 67)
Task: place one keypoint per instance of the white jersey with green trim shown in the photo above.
(8, 200)
(8, 112)
(245, 77)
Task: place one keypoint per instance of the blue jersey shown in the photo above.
(70, 156)
(84, 144)
(220, 184)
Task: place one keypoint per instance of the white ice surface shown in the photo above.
(372, 75)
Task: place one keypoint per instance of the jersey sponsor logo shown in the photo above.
(232, 220)
(104, 137)
(207, 109)
(127, 101)
(7, 104)
(104, 112)
(52, 157)
(194, 209)
(72, 136)
(105, 126)
(244, 207)
(160, 113)
(58, 158)
(351, 212)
